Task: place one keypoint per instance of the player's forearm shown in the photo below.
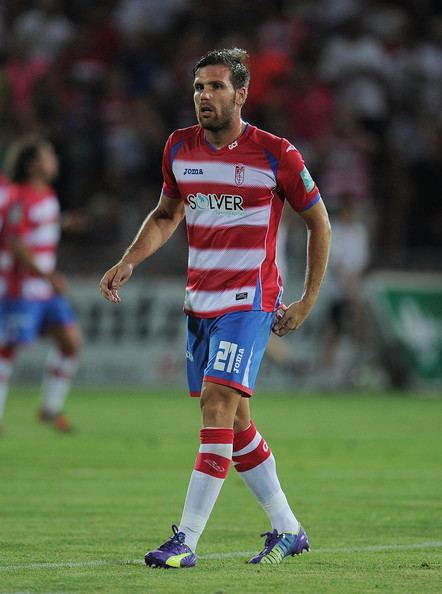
(318, 248)
(156, 229)
(25, 258)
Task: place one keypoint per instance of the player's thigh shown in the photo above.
(21, 321)
(237, 344)
(197, 352)
(60, 322)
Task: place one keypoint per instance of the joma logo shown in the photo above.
(193, 171)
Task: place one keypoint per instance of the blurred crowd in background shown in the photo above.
(354, 84)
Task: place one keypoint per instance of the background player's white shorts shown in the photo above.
(227, 350)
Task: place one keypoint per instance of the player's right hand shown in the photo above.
(58, 282)
(113, 279)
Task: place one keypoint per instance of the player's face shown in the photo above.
(47, 162)
(216, 101)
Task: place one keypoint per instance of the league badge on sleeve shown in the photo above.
(307, 179)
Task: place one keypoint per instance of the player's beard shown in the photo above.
(221, 122)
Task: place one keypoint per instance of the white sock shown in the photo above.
(5, 375)
(57, 380)
(256, 464)
(211, 468)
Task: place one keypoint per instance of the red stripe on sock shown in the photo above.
(7, 353)
(243, 438)
(252, 459)
(60, 373)
(216, 435)
(212, 464)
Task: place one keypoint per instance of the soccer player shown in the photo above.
(32, 299)
(5, 198)
(229, 180)
(5, 263)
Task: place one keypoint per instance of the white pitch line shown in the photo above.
(373, 548)
(106, 562)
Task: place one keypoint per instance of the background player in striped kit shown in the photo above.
(230, 180)
(32, 289)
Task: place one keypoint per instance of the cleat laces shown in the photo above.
(176, 539)
(270, 541)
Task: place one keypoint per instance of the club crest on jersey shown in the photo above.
(220, 204)
(239, 174)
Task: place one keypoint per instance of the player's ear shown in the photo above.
(241, 96)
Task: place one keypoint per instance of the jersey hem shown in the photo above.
(221, 312)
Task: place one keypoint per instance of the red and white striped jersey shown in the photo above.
(4, 197)
(233, 199)
(5, 256)
(33, 218)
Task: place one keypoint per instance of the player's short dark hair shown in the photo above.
(19, 156)
(234, 58)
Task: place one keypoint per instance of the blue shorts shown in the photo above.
(23, 320)
(227, 350)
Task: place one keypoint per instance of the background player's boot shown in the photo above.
(173, 553)
(278, 546)
(58, 421)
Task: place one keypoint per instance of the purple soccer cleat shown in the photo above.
(278, 546)
(173, 553)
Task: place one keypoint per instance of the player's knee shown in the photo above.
(218, 405)
(240, 422)
(73, 348)
(77, 342)
(70, 342)
(212, 402)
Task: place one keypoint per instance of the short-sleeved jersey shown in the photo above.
(33, 218)
(4, 198)
(233, 199)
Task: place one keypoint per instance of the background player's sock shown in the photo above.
(210, 470)
(6, 363)
(256, 464)
(57, 380)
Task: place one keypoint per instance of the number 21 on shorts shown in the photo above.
(225, 356)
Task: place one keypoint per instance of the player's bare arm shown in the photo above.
(26, 259)
(318, 247)
(157, 228)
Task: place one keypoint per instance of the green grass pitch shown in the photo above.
(362, 472)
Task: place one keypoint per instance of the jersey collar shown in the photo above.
(213, 151)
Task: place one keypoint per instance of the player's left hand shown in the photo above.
(289, 319)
